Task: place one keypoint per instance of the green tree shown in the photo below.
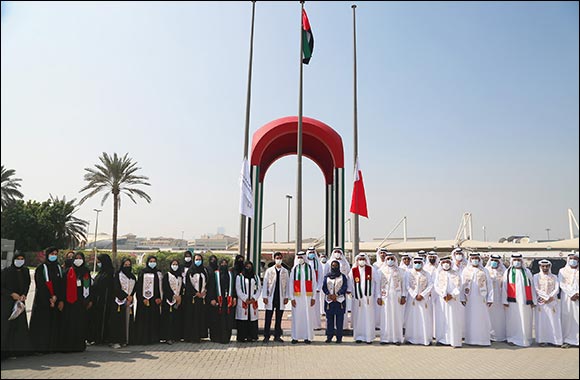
(70, 231)
(9, 187)
(115, 175)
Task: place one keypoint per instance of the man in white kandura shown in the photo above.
(459, 260)
(312, 259)
(449, 311)
(419, 317)
(394, 297)
(365, 283)
(430, 267)
(519, 297)
(477, 297)
(380, 255)
(568, 277)
(496, 269)
(301, 294)
(548, 325)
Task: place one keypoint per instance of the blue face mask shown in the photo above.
(311, 256)
(52, 258)
(152, 264)
(494, 264)
(573, 262)
(418, 265)
(197, 263)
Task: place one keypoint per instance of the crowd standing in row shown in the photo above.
(454, 300)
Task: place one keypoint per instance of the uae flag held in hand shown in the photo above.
(307, 39)
(358, 204)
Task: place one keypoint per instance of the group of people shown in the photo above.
(453, 300)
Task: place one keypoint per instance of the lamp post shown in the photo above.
(289, 197)
(548, 231)
(484, 237)
(274, 225)
(95, 242)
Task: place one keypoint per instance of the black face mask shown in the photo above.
(432, 261)
(223, 268)
(213, 265)
(248, 272)
(126, 270)
(68, 262)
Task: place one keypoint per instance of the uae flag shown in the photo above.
(358, 204)
(307, 39)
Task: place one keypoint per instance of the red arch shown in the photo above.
(277, 139)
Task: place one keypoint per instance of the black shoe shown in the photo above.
(542, 344)
(307, 341)
(383, 343)
(279, 340)
(294, 341)
(397, 343)
(170, 342)
(328, 340)
(339, 341)
(359, 341)
(266, 340)
(369, 342)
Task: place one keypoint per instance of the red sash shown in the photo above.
(71, 286)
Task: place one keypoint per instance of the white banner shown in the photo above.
(246, 194)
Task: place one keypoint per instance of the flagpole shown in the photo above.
(299, 148)
(242, 243)
(355, 244)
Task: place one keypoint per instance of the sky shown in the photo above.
(462, 107)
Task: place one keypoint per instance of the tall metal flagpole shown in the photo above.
(242, 244)
(299, 149)
(355, 243)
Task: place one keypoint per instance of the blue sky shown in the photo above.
(462, 107)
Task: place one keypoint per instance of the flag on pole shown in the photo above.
(358, 204)
(307, 39)
(246, 194)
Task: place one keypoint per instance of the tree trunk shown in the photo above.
(115, 218)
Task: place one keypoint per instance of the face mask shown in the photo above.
(432, 260)
(446, 266)
(152, 264)
(475, 262)
(197, 263)
(311, 256)
(323, 260)
(99, 265)
(418, 265)
(52, 258)
(300, 261)
(18, 263)
(362, 263)
(390, 263)
(223, 268)
(494, 264)
(126, 270)
(78, 262)
(517, 264)
(338, 256)
(174, 267)
(573, 263)
(335, 270)
(187, 259)
(68, 262)
(459, 257)
(278, 261)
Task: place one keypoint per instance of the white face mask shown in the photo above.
(187, 259)
(391, 263)
(278, 261)
(301, 261)
(459, 257)
(446, 266)
(517, 264)
(323, 260)
(18, 263)
(174, 267)
(475, 262)
(362, 263)
(337, 255)
(78, 262)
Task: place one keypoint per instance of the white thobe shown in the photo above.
(519, 315)
(477, 292)
(568, 278)
(392, 312)
(430, 268)
(244, 292)
(378, 309)
(302, 327)
(317, 284)
(497, 309)
(419, 317)
(548, 324)
(363, 306)
(449, 314)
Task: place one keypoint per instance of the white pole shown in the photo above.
(405, 229)
(95, 242)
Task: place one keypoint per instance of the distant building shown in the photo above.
(215, 242)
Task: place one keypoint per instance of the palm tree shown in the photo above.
(9, 187)
(70, 230)
(115, 175)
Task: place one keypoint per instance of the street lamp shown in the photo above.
(95, 242)
(548, 231)
(484, 237)
(271, 224)
(289, 197)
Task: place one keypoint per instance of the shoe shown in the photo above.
(543, 344)
(397, 343)
(359, 341)
(369, 342)
(307, 341)
(294, 341)
(169, 342)
(328, 340)
(279, 340)
(565, 345)
(253, 340)
(511, 344)
(383, 343)
(116, 346)
(266, 340)
(338, 341)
